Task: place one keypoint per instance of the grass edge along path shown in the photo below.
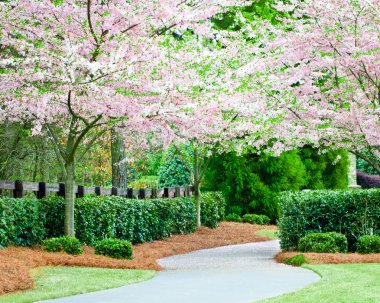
(62, 281)
(340, 283)
(269, 233)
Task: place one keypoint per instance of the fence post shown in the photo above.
(80, 193)
(98, 191)
(154, 193)
(18, 192)
(41, 190)
(130, 193)
(187, 191)
(62, 190)
(177, 192)
(142, 193)
(114, 191)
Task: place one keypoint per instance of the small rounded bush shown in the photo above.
(297, 260)
(368, 245)
(114, 248)
(323, 243)
(233, 218)
(69, 245)
(256, 219)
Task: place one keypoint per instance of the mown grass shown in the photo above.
(269, 233)
(340, 283)
(57, 282)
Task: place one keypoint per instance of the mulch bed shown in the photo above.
(337, 258)
(16, 262)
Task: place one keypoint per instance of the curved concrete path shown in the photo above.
(230, 274)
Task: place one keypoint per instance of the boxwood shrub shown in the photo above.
(368, 245)
(352, 213)
(256, 219)
(212, 208)
(114, 248)
(69, 245)
(233, 218)
(323, 243)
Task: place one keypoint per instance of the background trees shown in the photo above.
(327, 60)
(77, 69)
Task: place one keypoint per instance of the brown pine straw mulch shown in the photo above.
(16, 262)
(337, 258)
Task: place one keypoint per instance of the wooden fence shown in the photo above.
(41, 189)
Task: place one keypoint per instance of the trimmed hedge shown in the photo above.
(256, 219)
(21, 222)
(368, 245)
(136, 221)
(114, 248)
(352, 213)
(323, 243)
(69, 245)
(212, 208)
(234, 218)
(28, 221)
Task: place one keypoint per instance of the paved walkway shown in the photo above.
(231, 274)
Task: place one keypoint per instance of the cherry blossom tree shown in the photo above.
(323, 68)
(76, 69)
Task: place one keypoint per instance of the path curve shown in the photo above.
(229, 274)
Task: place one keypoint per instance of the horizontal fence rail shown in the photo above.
(41, 189)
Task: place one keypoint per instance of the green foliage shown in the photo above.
(368, 245)
(21, 222)
(364, 166)
(323, 171)
(114, 248)
(256, 219)
(251, 183)
(233, 218)
(352, 213)
(213, 208)
(323, 243)
(29, 221)
(173, 171)
(69, 245)
(297, 260)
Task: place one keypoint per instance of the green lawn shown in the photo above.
(269, 233)
(56, 282)
(342, 283)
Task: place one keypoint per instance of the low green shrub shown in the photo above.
(368, 245)
(352, 213)
(233, 218)
(69, 245)
(323, 243)
(256, 219)
(114, 248)
(297, 260)
(213, 208)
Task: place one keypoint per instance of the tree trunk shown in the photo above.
(197, 185)
(197, 196)
(70, 199)
(119, 168)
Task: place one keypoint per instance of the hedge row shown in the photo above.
(28, 221)
(352, 213)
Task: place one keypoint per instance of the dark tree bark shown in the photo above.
(119, 167)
